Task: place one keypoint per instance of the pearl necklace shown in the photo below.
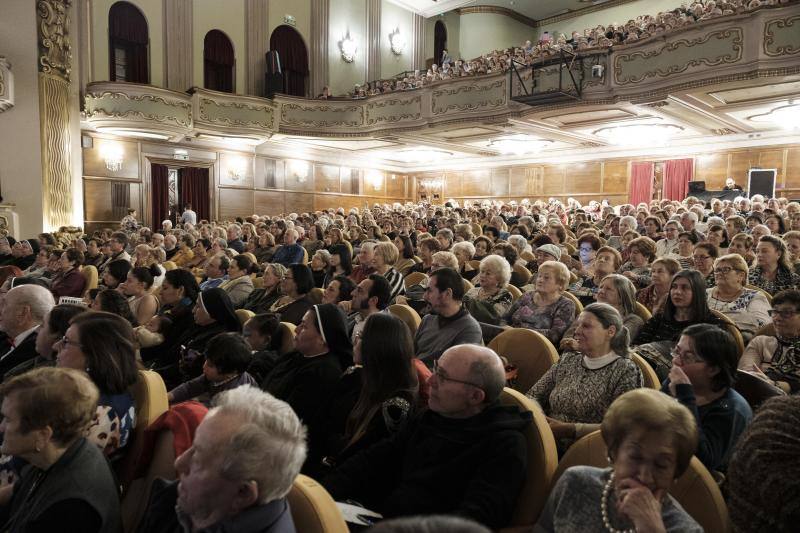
(604, 508)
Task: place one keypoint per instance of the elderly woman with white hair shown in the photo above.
(490, 301)
(520, 244)
(626, 223)
(464, 252)
(545, 309)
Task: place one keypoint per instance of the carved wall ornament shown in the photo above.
(55, 49)
(624, 64)
(292, 115)
(779, 47)
(253, 113)
(6, 85)
(406, 109)
(95, 111)
(473, 97)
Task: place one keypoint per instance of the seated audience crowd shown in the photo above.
(360, 351)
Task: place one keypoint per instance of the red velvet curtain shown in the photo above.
(293, 57)
(218, 62)
(641, 183)
(159, 183)
(127, 30)
(677, 175)
(193, 188)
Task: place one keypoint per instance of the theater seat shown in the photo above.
(169, 265)
(524, 273)
(530, 351)
(696, 490)
(408, 315)
(754, 389)
(415, 278)
(643, 312)
(313, 509)
(542, 463)
(92, 279)
(151, 401)
(251, 256)
(650, 377)
(731, 327)
(244, 315)
(578, 304)
(468, 286)
(515, 292)
(286, 330)
(315, 295)
(162, 465)
(766, 329)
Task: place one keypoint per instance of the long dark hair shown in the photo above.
(387, 354)
(110, 349)
(700, 311)
(408, 248)
(717, 348)
(345, 258)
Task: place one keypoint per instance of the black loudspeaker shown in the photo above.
(697, 186)
(761, 181)
(273, 77)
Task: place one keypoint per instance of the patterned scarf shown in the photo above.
(786, 361)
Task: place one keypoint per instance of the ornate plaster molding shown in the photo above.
(6, 85)
(782, 27)
(498, 10)
(55, 49)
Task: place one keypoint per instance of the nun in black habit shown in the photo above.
(306, 378)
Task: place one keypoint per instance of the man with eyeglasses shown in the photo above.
(117, 244)
(465, 456)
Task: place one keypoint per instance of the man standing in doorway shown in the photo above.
(189, 215)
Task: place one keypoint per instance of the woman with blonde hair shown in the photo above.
(748, 308)
(490, 301)
(385, 255)
(545, 309)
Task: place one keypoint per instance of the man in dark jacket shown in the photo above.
(21, 317)
(234, 477)
(465, 456)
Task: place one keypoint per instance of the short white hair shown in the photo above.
(467, 246)
(268, 447)
(519, 242)
(499, 266)
(37, 298)
(629, 220)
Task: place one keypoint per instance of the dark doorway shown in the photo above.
(293, 59)
(439, 41)
(218, 62)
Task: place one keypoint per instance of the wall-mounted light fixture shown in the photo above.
(375, 179)
(237, 168)
(113, 154)
(397, 41)
(298, 170)
(348, 47)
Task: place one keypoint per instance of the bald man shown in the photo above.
(466, 455)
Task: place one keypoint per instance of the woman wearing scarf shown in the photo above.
(306, 378)
(213, 314)
(776, 358)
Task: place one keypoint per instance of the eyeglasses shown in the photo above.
(66, 342)
(723, 270)
(702, 257)
(686, 358)
(783, 313)
(437, 371)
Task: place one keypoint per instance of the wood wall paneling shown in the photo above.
(396, 186)
(615, 177)
(453, 184)
(739, 163)
(300, 202)
(265, 174)
(236, 170)
(582, 177)
(327, 178)
(500, 182)
(98, 200)
(298, 176)
(268, 202)
(792, 171)
(711, 168)
(235, 203)
(476, 183)
(518, 180)
(553, 179)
